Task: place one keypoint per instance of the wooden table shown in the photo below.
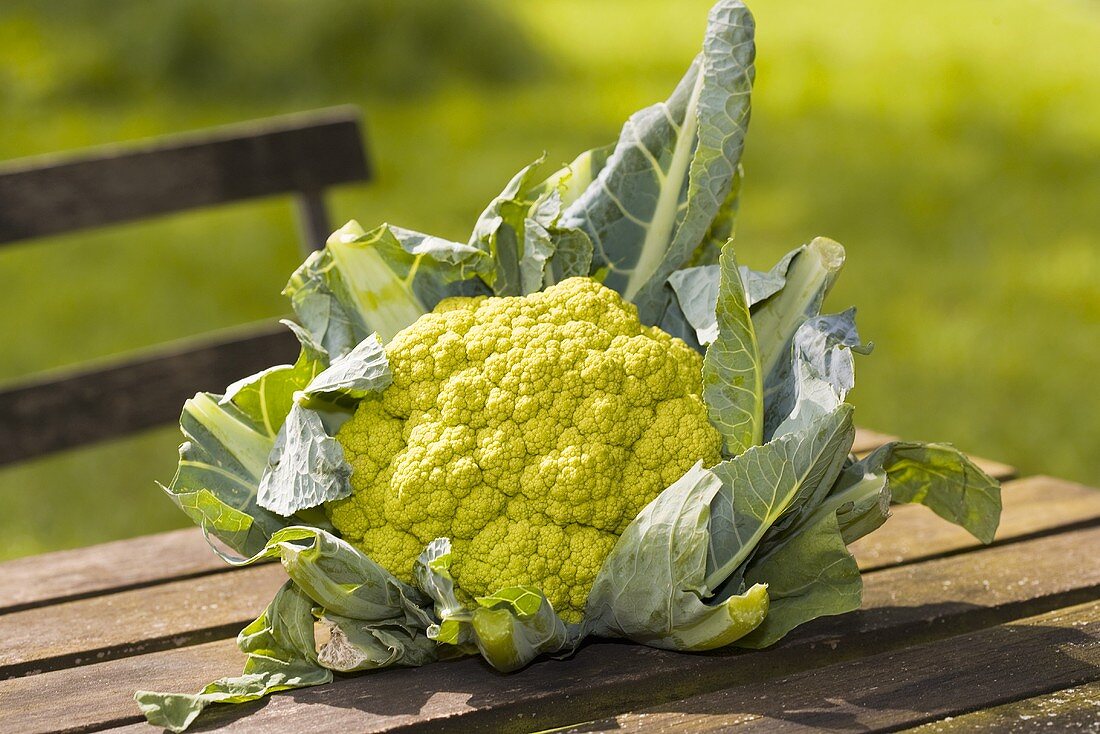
(952, 636)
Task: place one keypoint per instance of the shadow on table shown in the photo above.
(972, 669)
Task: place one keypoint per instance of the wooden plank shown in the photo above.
(902, 606)
(131, 622)
(92, 405)
(68, 575)
(1069, 710)
(313, 220)
(896, 689)
(299, 153)
(94, 697)
(1032, 506)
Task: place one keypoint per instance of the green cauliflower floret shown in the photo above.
(529, 430)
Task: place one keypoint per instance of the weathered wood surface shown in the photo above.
(303, 153)
(131, 622)
(920, 601)
(1032, 505)
(67, 575)
(932, 609)
(891, 690)
(1070, 710)
(64, 411)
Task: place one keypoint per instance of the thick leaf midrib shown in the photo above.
(660, 228)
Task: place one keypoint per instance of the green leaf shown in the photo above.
(695, 299)
(306, 467)
(378, 282)
(722, 227)
(810, 275)
(766, 487)
(350, 378)
(942, 478)
(672, 169)
(860, 499)
(342, 579)
(220, 467)
(823, 373)
(812, 575)
(510, 627)
(651, 586)
(280, 655)
(354, 645)
(551, 252)
(500, 234)
(515, 625)
(732, 384)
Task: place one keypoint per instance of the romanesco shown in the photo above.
(529, 430)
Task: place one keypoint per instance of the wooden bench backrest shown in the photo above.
(300, 155)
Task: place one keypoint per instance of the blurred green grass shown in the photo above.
(953, 147)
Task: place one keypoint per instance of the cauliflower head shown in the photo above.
(529, 430)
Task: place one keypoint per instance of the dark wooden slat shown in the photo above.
(1032, 506)
(902, 606)
(131, 622)
(93, 405)
(299, 153)
(313, 219)
(891, 690)
(1069, 710)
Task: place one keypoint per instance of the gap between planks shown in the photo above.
(902, 606)
(192, 611)
(62, 576)
(891, 690)
(1074, 709)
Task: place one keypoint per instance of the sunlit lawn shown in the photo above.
(953, 147)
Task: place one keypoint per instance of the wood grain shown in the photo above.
(1070, 710)
(1032, 506)
(301, 153)
(902, 606)
(80, 408)
(67, 575)
(131, 622)
(891, 690)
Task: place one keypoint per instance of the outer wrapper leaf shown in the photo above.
(823, 370)
(280, 649)
(732, 382)
(379, 282)
(942, 478)
(225, 452)
(651, 587)
(764, 489)
(695, 300)
(350, 378)
(510, 627)
(499, 234)
(810, 275)
(306, 467)
(374, 621)
(813, 575)
(672, 169)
